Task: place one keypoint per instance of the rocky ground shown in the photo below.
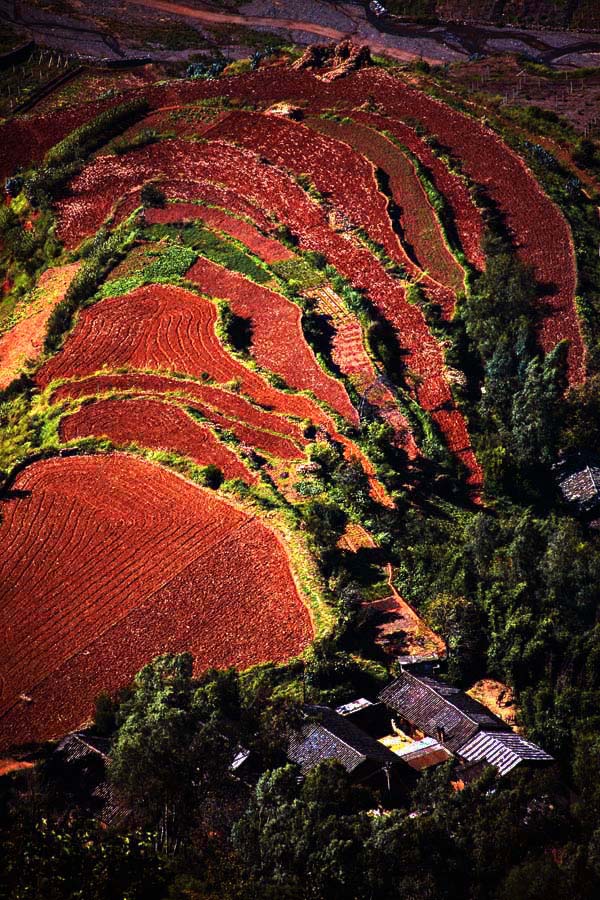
(165, 30)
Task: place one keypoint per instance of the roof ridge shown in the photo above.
(457, 708)
(341, 740)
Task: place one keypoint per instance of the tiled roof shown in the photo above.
(77, 746)
(424, 753)
(582, 487)
(354, 706)
(504, 750)
(113, 809)
(334, 737)
(431, 706)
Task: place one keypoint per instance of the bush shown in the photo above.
(152, 196)
(65, 159)
(212, 476)
(237, 329)
(87, 138)
(143, 137)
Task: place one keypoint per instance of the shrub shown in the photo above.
(212, 476)
(65, 159)
(152, 196)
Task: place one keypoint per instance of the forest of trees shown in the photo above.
(197, 830)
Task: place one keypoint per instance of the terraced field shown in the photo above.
(261, 293)
(110, 560)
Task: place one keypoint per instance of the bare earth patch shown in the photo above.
(496, 696)
(25, 340)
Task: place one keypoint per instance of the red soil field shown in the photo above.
(278, 341)
(539, 228)
(466, 215)
(110, 561)
(256, 438)
(222, 199)
(267, 248)
(348, 352)
(272, 188)
(421, 352)
(217, 195)
(27, 139)
(82, 214)
(169, 329)
(25, 340)
(157, 425)
(244, 173)
(540, 231)
(229, 404)
(342, 175)
(418, 219)
(350, 356)
(337, 171)
(182, 121)
(291, 205)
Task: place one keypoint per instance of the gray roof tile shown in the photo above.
(431, 705)
(332, 736)
(504, 750)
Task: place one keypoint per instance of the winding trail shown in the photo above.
(223, 18)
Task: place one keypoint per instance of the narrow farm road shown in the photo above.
(226, 18)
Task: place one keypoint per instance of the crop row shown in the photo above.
(224, 591)
(419, 223)
(230, 404)
(278, 342)
(130, 530)
(157, 425)
(271, 188)
(539, 229)
(266, 248)
(165, 328)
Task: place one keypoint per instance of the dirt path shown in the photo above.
(400, 631)
(225, 18)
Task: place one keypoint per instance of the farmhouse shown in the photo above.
(430, 709)
(579, 483)
(378, 721)
(81, 760)
(329, 735)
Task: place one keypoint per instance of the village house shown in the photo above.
(329, 735)
(416, 722)
(427, 708)
(578, 480)
(81, 759)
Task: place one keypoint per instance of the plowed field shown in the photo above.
(109, 561)
(278, 342)
(418, 220)
(159, 426)
(228, 403)
(268, 249)
(168, 329)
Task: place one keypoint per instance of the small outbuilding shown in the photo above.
(578, 478)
